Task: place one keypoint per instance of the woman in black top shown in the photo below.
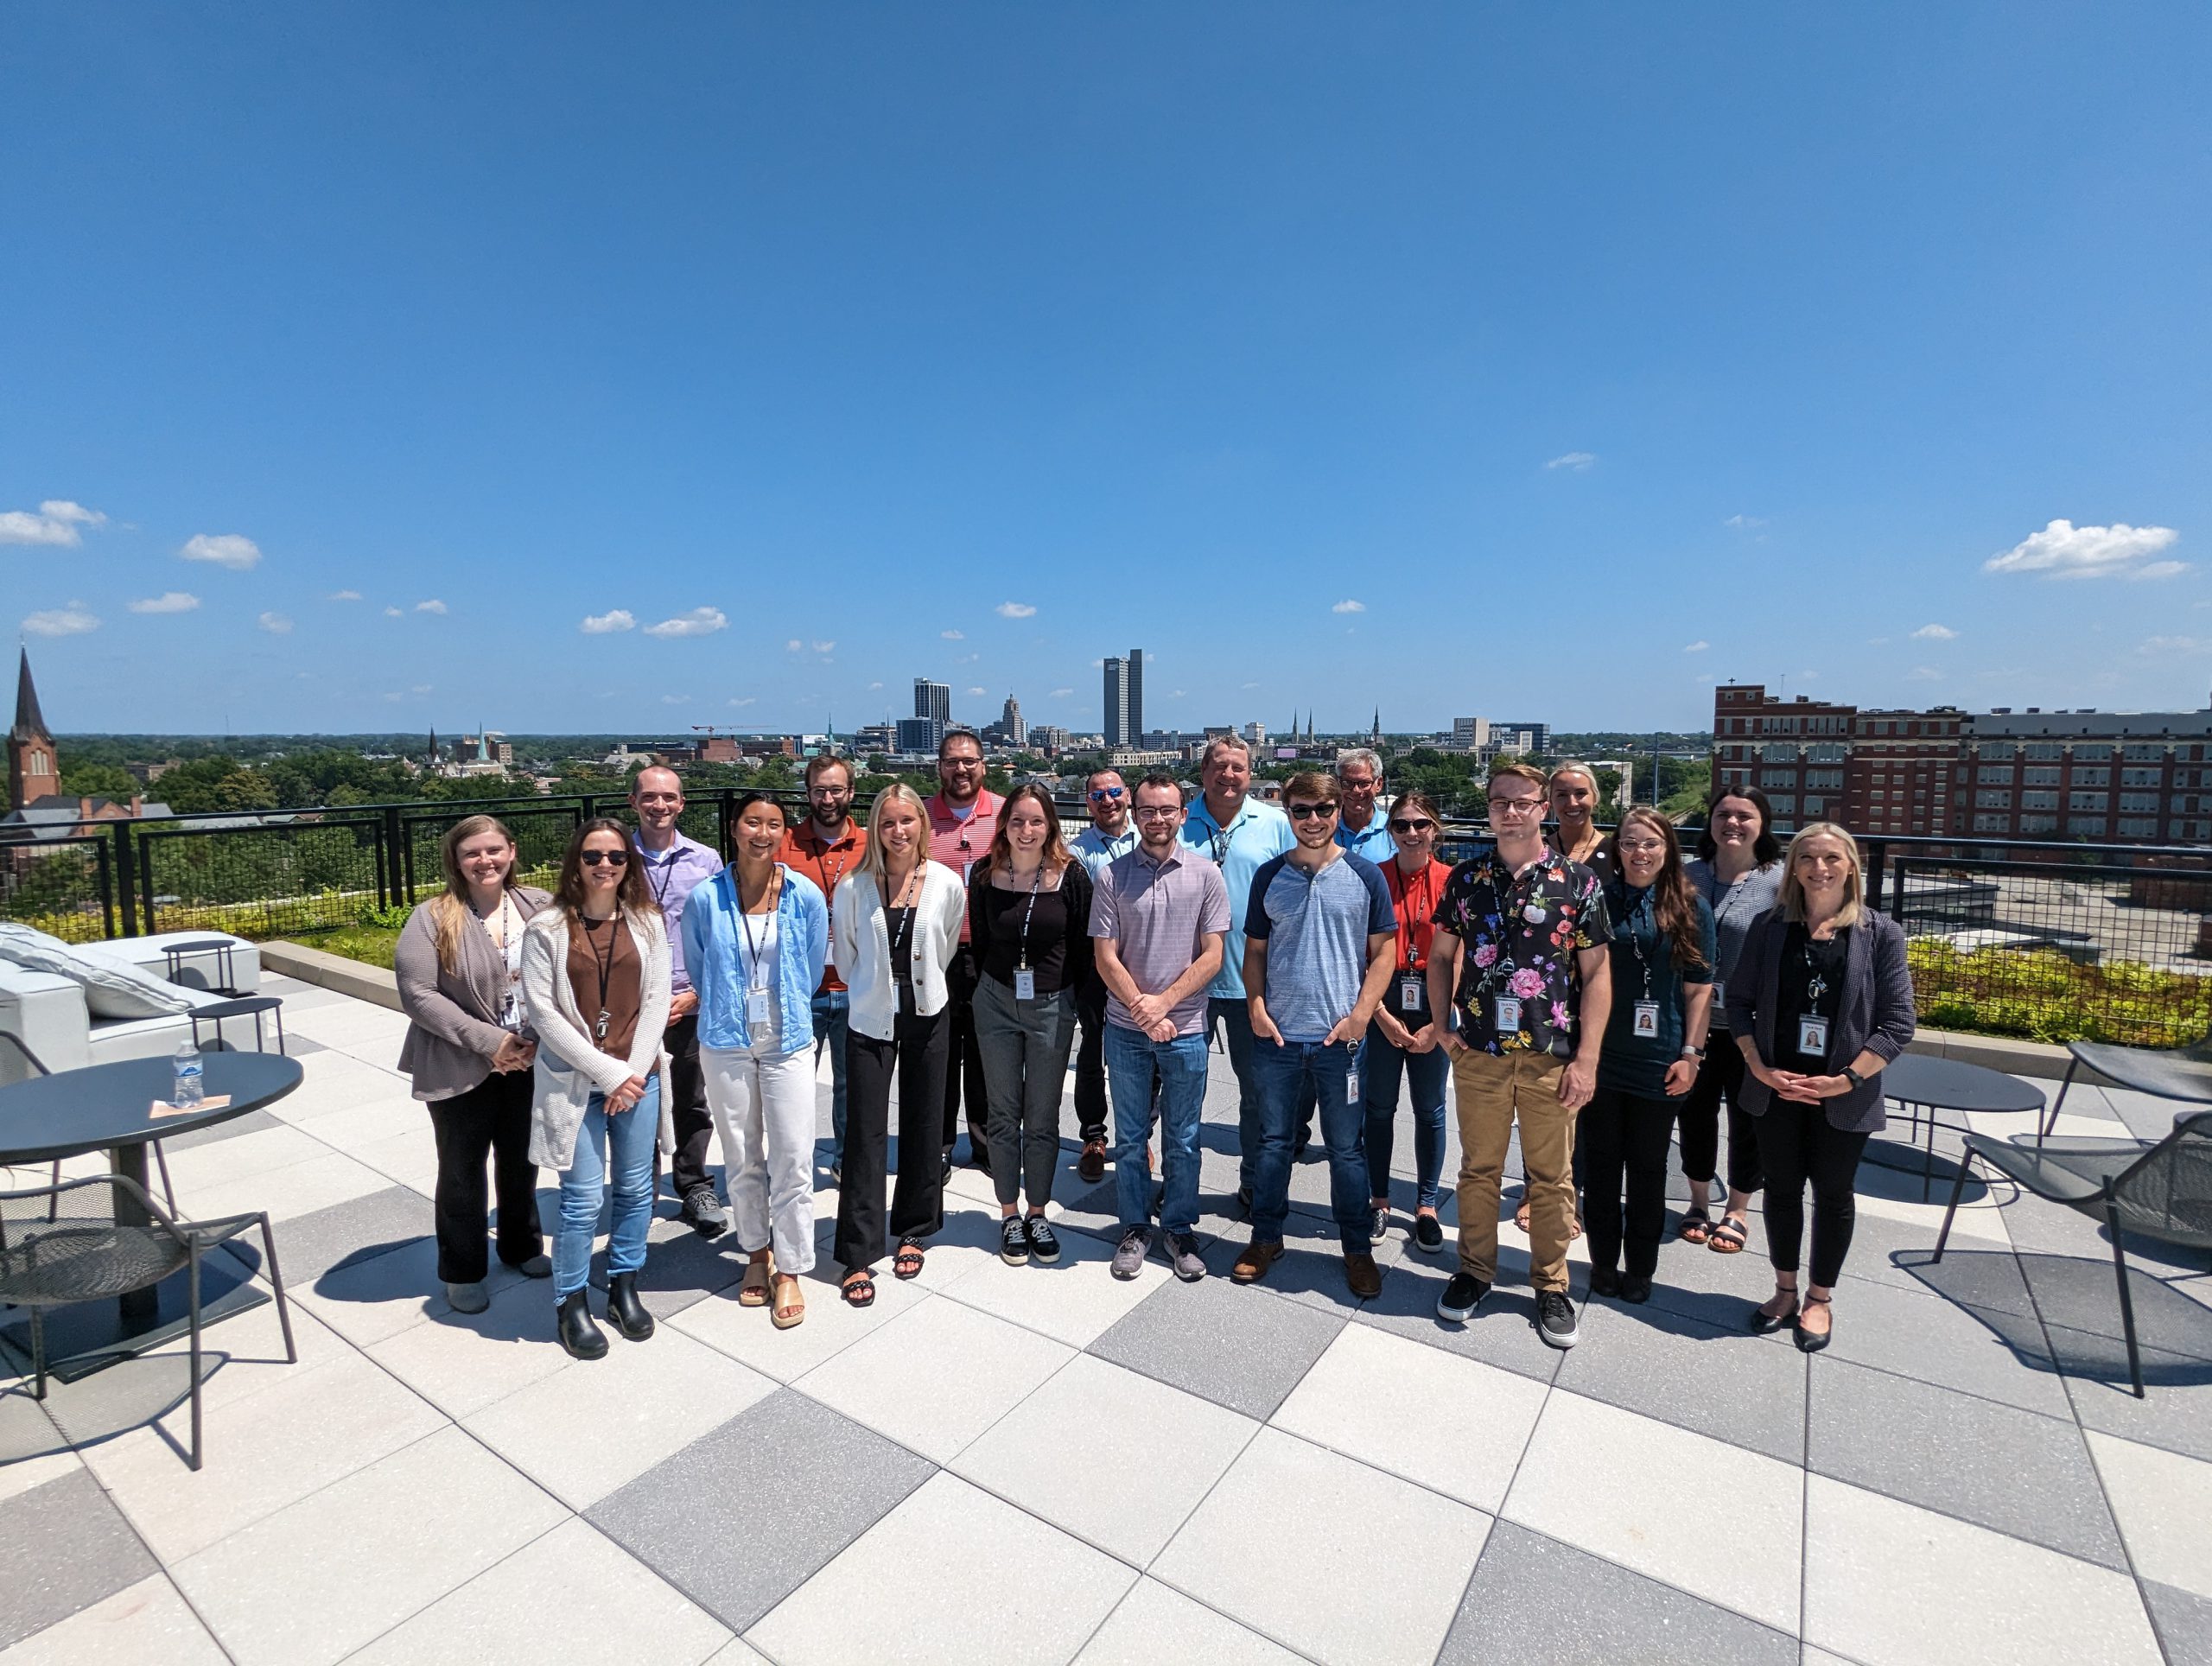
(1821, 1001)
(1029, 921)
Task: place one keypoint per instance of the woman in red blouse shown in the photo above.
(1405, 1037)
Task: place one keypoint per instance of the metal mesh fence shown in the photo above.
(63, 888)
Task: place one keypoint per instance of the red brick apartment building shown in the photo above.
(2124, 778)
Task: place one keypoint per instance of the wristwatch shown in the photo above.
(1853, 1077)
(1690, 1052)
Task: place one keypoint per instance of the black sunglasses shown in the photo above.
(592, 858)
(1100, 795)
(1411, 827)
(1307, 812)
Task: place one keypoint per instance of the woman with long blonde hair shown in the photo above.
(469, 1049)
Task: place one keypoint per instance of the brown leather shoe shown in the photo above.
(1091, 1166)
(1364, 1277)
(1252, 1266)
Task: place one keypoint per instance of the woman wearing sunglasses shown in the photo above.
(596, 985)
(1406, 1037)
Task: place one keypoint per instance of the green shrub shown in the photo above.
(2041, 995)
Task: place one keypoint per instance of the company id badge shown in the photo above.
(1351, 1087)
(1813, 1037)
(1505, 1014)
(1719, 996)
(1024, 983)
(1413, 993)
(1647, 1020)
(756, 1007)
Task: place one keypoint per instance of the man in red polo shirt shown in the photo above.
(964, 820)
(825, 847)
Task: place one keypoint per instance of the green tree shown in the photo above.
(83, 778)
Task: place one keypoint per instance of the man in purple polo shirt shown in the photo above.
(674, 865)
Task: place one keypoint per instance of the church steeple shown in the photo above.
(34, 768)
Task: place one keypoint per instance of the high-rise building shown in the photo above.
(1014, 730)
(933, 700)
(1125, 698)
(1256, 734)
(921, 733)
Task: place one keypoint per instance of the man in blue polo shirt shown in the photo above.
(1321, 941)
(1362, 827)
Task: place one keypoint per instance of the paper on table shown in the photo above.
(212, 1102)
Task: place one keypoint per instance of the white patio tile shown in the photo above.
(1075, 1300)
(411, 1158)
(332, 1082)
(148, 1621)
(2163, 1502)
(263, 1451)
(738, 1652)
(297, 1189)
(1373, 1598)
(1042, 1592)
(1887, 1582)
(370, 1033)
(631, 1616)
(194, 1169)
(463, 1363)
(937, 1376)
(1154, 1452)
(248, 1351)
(1614, 1483)
(385, 1118)
(583, 1433)
(317, 1580)
(1153, 1624)
(372, 1300)
(832, 1325)
(1446, 1422)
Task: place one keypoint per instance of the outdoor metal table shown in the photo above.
(246, 1006)
(110, 1107)
(1922, 1082)
(227, 976)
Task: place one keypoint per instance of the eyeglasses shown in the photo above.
(1308, 812)
(592, 858)
(1517, 806)
(1156, 813)
(1413, 827)
(1100, 795)
(1643, 847)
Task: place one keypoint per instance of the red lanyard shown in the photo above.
(1407, 917)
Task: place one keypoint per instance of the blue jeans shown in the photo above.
(1426, 1073)
(1235, 1018)
(1287, 1075)
(830, 1008)
(630, 1137)
(1136, 1065)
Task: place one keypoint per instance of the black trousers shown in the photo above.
(695, 1124)
(1798, 1143)
(915, 1056)
(1720, 1076)
(964, 1059)
(490, 1120)
(1091, 1062)
(1623, 1140)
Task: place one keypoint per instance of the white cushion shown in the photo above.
(112, 988)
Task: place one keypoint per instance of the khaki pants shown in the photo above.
(1491, 1090)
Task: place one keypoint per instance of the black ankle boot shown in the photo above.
(624, 1308)
(579, 1335)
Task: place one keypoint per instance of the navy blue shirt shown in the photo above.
(1643, 967)
(1316, 927)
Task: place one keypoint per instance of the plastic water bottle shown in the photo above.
(191, 1075)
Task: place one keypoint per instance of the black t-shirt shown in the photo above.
(1811, 985)
(1002, 937)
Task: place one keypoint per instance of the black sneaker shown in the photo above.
(1634, 1287)
(1428, 1234)
(1605, 1281)
(1378, 1221)
(704, 1213)
(1013, 1243)
(1555, 1319)
(1461, 1297)
(1044, 1243)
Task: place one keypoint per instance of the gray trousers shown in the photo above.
(1024, 1045)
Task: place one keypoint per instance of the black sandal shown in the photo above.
(1763, 1323)
(858, 1289)
(1696, 1226)
(1814, 1341)
(907, 1263)
(1729, 1237)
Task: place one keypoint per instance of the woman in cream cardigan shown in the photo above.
(595, 984)
(895, 928)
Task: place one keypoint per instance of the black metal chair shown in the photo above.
(2163, 1192)
(160, 1157)
(2184, 1073)
(101, 1237)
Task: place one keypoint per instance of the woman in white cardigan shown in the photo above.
(896, 927)
(595, 983)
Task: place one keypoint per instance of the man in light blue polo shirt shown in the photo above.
(1111, 835)
(1223, 824)
(1362, 827)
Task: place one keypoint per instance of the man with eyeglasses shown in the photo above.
(1321, 942)
(674, 865)
(1110, 836)
(1362, 826)
(964, 820)
(1226, 825)
(1519, 947)
(825, 847)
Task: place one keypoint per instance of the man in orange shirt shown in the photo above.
(825, 847)
(964, 820)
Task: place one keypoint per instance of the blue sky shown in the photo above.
(1594, 352)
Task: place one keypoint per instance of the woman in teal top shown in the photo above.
(1663, 956)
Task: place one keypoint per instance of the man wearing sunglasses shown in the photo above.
(1321, 942)
(964, 820)
(1362, 828)
(825, 847)
(1110, 835)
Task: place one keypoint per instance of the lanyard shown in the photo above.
(828, 879)
(667, 872)
(1817, 984)
(1035, 884)
(1513, 907)
(753, 979)
(1409, 916)
(605, 973)
(1644, 904)
(898, 944)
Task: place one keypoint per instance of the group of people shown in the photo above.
(1594, 991)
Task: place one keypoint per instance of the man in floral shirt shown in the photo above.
(1520, 951)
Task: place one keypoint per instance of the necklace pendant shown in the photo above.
(599, 1030)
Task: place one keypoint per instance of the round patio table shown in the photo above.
(1922, 1082)
(110, 1107)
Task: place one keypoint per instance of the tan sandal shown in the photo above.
(785, 1315)
(753, 1291)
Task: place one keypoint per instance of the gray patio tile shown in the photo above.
(254, 1122)
(1997, 1355)
(1696, 1283)
(2184, 1623)
(1311, 1270)
(1503, 1331)
(1239, 1348)
(1683, 1371)
(32, 1450)
(723, 1522)
(681, 1267)
(1537, 1602)
(148, 1621)
(299, 1046)
(2014, 1470)
(2176, 1411)
(1972, 1272)
(2082, 1294)
(329, 1241)
(65, 1548)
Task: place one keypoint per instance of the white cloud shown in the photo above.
(1015, 610)
(432, 606)
(1924, 674)
(1746, 522)
(1698, 647)
(746, 700)
(76, 514)
(1175, 694)
(343, 595)
(822, 647)
(954, 636)
(55, 523)
(275, 624)
(420, 688)
(1577, 461)
(229, 550)
(169, 602)
(676, 699)
(873, 686)
(2156, 645)
(2063, 550)
(978, 690)
(1348, 606)
(794, 646)
(615, 619)
(72, 620)
(393, 612)
(700, 621)
(1060, 694)
(1934, 634)
(395, 696)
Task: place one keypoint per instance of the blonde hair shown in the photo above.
(1570, 768)
(872, 859)
(449, 911)
(1854, 884)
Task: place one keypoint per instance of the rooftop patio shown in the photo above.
(1043, 1464)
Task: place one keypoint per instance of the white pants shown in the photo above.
(763, 1102)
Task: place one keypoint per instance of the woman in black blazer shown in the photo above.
(1821, 1001)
